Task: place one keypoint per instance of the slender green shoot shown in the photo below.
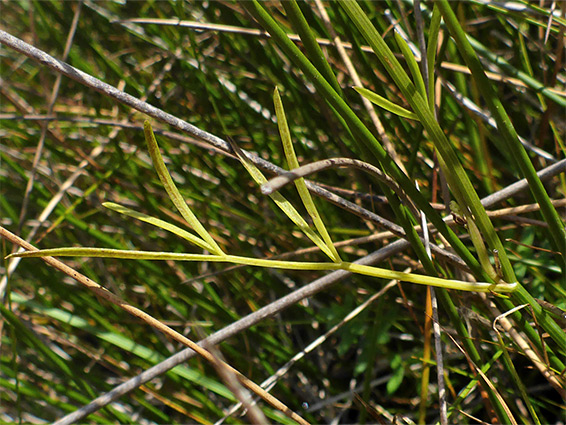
(412, 64)
(300, 182)
(434, 29)
(277, 264)
(172, 190)
(516, 379)
(386, 104)
(161, 224)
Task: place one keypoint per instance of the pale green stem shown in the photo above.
(278, 264)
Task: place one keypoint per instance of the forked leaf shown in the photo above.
(386, 104)
(281, 202)
(173, 192)
(161, 224)
(300, 183)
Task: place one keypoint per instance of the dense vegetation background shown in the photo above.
(67, 148)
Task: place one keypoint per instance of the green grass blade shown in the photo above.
(531, 82)
(71, 372)
(517, 380)
(159, 223)
(433, 31)
(172, 190)
(134, 348)
(411, 63)
(300, 183)
(386, 104)
(24, 332)
(465, 392)
(522, 296)
(311, 46)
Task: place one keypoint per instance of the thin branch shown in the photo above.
(486, 117)
(522, 185)
(254, 414)
(278, 182)
(270, 382)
